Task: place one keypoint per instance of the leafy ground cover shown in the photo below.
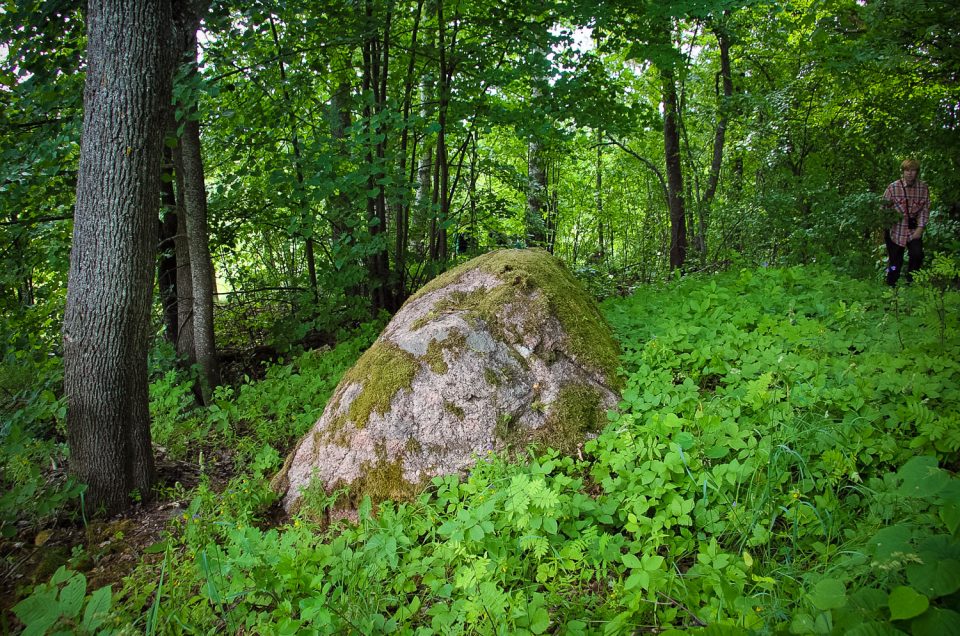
(784, 461)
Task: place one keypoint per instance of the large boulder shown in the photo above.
(504, 350)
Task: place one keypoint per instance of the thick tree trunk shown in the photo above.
(112, 261)
(201, 264)
(671, 147)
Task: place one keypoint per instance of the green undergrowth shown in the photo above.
(275, 411)
(784, 461)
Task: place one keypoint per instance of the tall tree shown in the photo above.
(674, 170)
(195, 210)
(167, 260)
(114, 245)
(719, 136)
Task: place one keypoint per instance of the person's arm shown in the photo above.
(890, 198)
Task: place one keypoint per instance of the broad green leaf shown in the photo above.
(631, 561)
(652, 562)
(62, 575)
(868, 599)
(889, 540)
(685, 440)
(874, 628)
(639, 578)
(829, 594)
(38, 612)
(934, 577)
(922, 478)
(717, 452)
(905, 602)
(950, 515)
(539, 620)
(71, 596)
(476, 533)
(802, 624)
(937, 622)
(98, 609)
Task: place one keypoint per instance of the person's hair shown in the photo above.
(910, 164)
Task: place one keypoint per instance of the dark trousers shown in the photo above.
(914, 251)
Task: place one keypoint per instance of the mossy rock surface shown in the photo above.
(506, 349)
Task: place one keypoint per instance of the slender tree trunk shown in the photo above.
(375, 58)
(340, 120)
(107, 316)
(671, 147)
(186, 350)
(422, 204)
(402, 220)
(201, 263)
(22, 271)
(718, 141)
(601, 249)
(536, 195)
(553, 207)
(473, 239)
(167, 261)
(441, 194)
(442, 183)
(535, 225)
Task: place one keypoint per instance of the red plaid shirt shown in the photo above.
(910, 201)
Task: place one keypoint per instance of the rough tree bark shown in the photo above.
(671, 148)
(422, 212)
(167, 259)
(536, 194)
(534, 223)
(186, 351)
(112, 261)
(195, 208)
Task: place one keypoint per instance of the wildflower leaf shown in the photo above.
(98, 609)
(905, 602)
(829, 594)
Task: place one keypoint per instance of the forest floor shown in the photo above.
(107, 550)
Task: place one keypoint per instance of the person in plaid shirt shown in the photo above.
(911, 198)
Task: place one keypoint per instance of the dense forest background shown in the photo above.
(352, 150)
(317, 162)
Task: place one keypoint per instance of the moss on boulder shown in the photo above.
(505, 349)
